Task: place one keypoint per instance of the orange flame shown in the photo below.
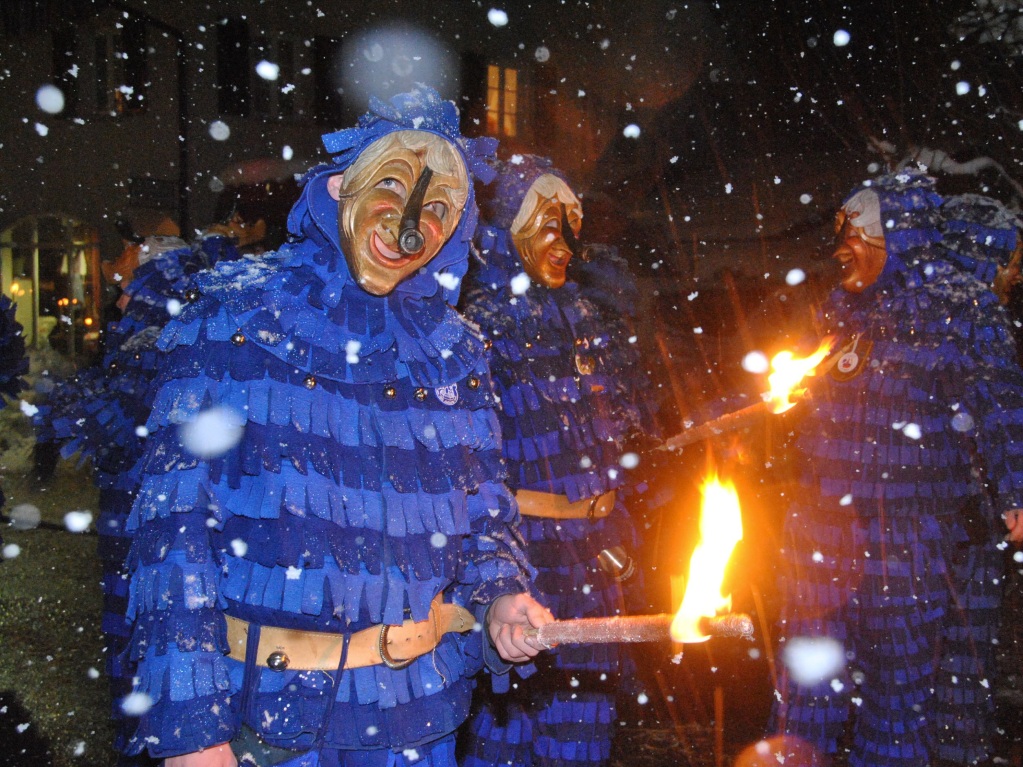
(720, 530)
(789, 372)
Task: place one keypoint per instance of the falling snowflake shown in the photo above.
(962, 422)
(795, 277)
(136, 703)
(447, 280)
(912, 431)
(755, 362)
(77, 521)
(25, 516)
(213, 432)
(219, 130)
(352, 349)
(50, 99)
(811, 660)
(497, 17)
(268, 70)
(520, 284)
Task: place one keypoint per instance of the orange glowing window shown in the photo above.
(502, 100)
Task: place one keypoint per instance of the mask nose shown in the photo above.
(410, 237)
(568, 233)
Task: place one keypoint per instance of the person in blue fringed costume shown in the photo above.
(913, 469)
(565, 420)
(99, 413)
(323, 548)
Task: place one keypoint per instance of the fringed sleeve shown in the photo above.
(177, 628)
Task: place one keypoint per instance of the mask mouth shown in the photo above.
(387, 254)
(410, 237)
(567, 233)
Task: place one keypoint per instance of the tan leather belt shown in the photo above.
(533, 503)
(393, 646)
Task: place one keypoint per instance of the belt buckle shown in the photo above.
(385, 657)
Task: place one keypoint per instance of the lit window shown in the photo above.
(49, 265)
(502, 100)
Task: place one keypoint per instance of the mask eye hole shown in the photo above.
(393, 185)
(437, 208)
(843, 230)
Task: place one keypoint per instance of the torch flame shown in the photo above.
(720, 530)
(789, 372)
